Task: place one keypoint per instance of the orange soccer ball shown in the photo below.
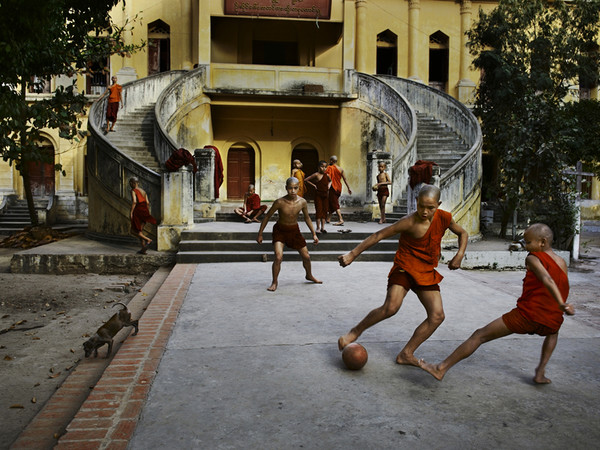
(354, 356)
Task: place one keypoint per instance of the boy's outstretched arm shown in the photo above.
(463, 239)
(535, 265)
(309, 222)
(263, 224)
(395, 228)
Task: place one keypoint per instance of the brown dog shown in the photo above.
(107, 332)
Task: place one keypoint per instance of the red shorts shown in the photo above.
(403, 279)
(517, 323)
(383, 191)
(288, 234)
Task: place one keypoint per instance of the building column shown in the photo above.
(414, 8)
(466, 87)
(203, 37)
(361, 35)
(177, 200)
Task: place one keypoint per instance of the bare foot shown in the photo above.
(248, 221)
(432, 369)
(408, 360)
(273, 287)
(540, 378)
(255, 220)
(347, 339)
(313, 279)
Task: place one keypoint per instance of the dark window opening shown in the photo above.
(275, 53)
(387, 53)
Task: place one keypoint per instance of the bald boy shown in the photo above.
(539, 309)
(419, 249)
(286, 230)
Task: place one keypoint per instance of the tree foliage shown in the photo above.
(43, 39)
(532, 55)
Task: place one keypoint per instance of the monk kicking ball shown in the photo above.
(539, 309)
(355, 356)
(419, 249)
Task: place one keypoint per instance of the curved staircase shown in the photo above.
(454, 145)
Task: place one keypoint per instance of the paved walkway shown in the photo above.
(221, 363)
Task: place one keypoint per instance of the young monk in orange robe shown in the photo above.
(419, 249)
(539, 309)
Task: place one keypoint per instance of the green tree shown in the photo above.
(531, 55)
(43, 39)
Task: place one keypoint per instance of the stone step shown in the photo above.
(267, 255)
(324, 245)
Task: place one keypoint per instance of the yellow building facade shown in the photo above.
(270, 45)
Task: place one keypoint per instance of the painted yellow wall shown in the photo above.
(271, 131)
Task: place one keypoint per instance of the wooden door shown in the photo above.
(41, 175)
(240, 172)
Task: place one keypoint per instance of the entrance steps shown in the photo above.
(214, 246)
(16, 216)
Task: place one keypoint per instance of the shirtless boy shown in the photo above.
(383, 192)
(286, 230)
(539, 309)
(419, 250)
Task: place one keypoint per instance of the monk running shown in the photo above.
(286, 230)
(419, 250)
(140, 214)
(539, 309)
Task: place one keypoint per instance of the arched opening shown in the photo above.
(387, 53)
(309, 156)
(159, 47)
(41, 173)
(438, 60)
(240, 170)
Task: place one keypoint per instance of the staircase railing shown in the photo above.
(461, 185)
(172, 107)
(109, 169)
(396, 131)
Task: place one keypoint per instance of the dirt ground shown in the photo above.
(44, 320)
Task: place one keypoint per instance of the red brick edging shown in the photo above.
(109, 415)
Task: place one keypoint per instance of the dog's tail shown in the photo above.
(119, 303)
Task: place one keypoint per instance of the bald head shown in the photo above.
(290, 181)
(430, 191)
(541, 231)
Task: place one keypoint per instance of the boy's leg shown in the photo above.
(278, 250)
(393, 300)
(432, 302)
(547, 348)
(307, 265)
(491, 331)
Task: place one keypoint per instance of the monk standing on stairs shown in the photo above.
(419, 250)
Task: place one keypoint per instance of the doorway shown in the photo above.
(41, 173)
(438, 61)
(240, 171)
(387, 53)
(159, 47)
(309, 156)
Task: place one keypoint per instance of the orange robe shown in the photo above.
(336, 178)
(536, 303)
(419, 257)
(299, 174)
(141, 214)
